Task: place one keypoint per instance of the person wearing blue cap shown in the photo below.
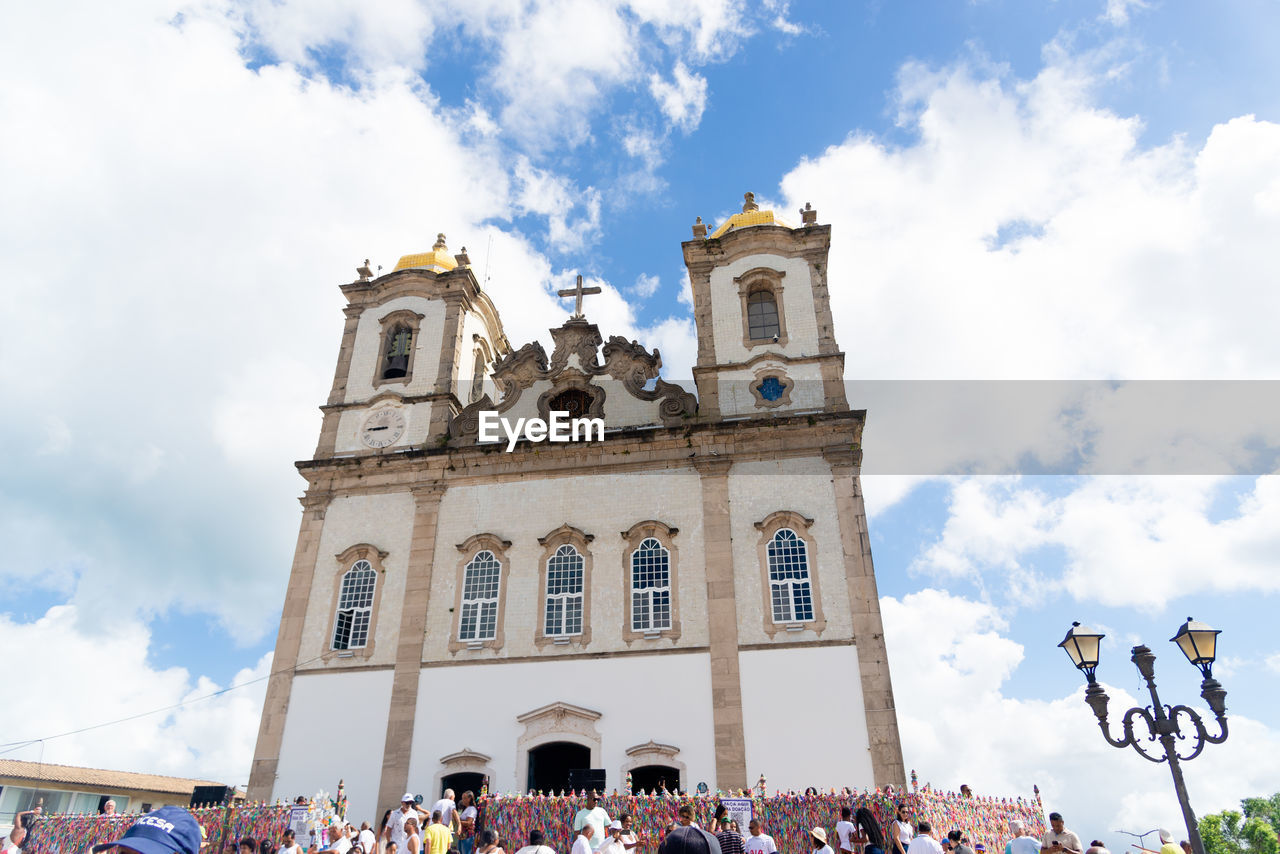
(167, 830)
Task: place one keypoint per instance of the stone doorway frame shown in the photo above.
(558, 721)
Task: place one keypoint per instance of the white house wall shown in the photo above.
(803, 717)
(600, 505)
(666, 699)
(381, 520)
(367, 354)
(336, 729)
(797, 305)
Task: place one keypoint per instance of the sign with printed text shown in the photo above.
(739, 811)
(298, 822)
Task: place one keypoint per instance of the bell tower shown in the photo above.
(766, 340)
(418, 345)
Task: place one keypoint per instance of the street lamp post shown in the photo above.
(1199, 643)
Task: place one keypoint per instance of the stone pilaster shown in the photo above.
(266, 755)
(722, 620)
(341, 374)
(413, 625)
(442, 408)
(868, 628)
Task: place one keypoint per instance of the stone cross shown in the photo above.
(578, 293)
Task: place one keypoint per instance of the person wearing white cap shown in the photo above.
(1167, 845)
(818, 836)
(395, 824)
(613, 844)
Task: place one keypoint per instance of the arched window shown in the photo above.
(574, 401)
(355, 606)
(399, 348)
(564, 593)
(650, 587)
(479, 618)
(790, 592)
(762, 316)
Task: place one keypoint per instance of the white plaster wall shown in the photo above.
(797, 294)
(367, 355)
(804, 486)
(335, 730)
(382, 520)
(665, 698)
(803, 717)
(734, 388)
(601, 505)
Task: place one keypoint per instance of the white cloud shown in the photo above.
(646, 286)
(1127, 541)
(950, 660)
(683, 99)
(109, 670)
(1273, 662)
(1030, 221)
(556, 198)
(186, 221)
(1117, 11)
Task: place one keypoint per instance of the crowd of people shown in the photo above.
(449, 827)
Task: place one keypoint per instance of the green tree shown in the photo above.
(1252, 831)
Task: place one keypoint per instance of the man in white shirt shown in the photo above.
(448, 811)
(596, 817)
(758, 842)
(613, 845)
(368, 841)
(1021, 843)
(338, 842)
(395, 824)
(924, 843)
(582, 845)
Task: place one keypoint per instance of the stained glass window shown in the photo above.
(770, 388)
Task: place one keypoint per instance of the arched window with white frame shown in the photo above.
(564, 593)
(480, 580)
(650, 587)
(355, 606)
(790, 590)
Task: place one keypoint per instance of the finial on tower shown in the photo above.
(364, 272)
(462, 258)
(808, 216)
(439, 244)
(749, 202)
(699, 228)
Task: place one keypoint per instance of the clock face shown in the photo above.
(382, 428)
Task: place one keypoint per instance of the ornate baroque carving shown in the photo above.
(628, 362)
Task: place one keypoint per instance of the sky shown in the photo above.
(1018, 191)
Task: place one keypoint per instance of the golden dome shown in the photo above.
(751, 215)
(438, 259)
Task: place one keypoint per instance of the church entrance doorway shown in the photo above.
(651, 778)
(463, 781)
(550, 764)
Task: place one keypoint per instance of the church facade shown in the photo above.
(689, 600)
